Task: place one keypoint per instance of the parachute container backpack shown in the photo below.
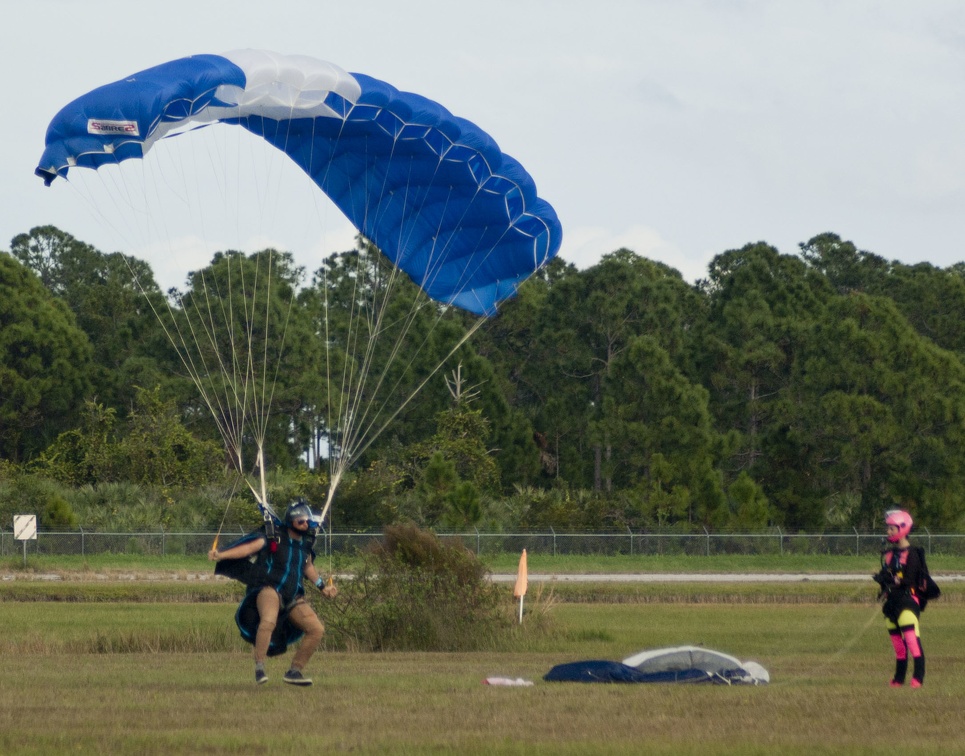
(432, 192)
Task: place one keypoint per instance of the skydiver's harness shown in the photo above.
(279, 564)
(905, 582)
(271, 535)
(282, 564)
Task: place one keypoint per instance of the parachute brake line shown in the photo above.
(214, 544)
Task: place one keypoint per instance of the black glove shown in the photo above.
(884, 579)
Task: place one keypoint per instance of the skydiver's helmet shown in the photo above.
(296, 511)
(901, 520)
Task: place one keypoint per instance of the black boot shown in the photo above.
(919, 674)
(901, 669)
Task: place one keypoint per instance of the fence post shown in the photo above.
(857, 540)
(631, 539)
(707, 533)
(82, 551)
(929, 539)
(477, 539)
(780, 535)
(554, 539)
(162, 540)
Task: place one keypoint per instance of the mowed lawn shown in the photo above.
(173, 678)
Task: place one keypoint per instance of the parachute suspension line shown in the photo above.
(230, 429)
(110, 190)
(370, 438)
(362, 398)
(433, 269)
(235, 383)
(465, 337)
(225, 419)
(250, 387)
(238, 395)
(360, 411)
(369, 305)
(336, 409)
(270, 382)
(264, 401)
(115, 190)
(346, 401)
(354, 371)
(256, 378)
(241, 374)
(224, 516)
(323, 280)
(247, 389)
(223, 405)
(359, 423)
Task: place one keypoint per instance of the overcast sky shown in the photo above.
(677, 128)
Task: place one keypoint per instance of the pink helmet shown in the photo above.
(901, 520)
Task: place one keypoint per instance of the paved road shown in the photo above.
(662, 577)
(629, 577)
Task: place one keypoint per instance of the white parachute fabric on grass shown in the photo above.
(676, 664)
(678, 658)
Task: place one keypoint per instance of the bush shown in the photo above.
(412, 592)
(28, 494)
(57, 515)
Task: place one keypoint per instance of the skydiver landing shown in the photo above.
(903, 587)
(274, 612)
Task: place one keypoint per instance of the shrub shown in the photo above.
(57, 515)
(28, 494)
(412, 592)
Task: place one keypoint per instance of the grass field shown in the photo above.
(105, 673)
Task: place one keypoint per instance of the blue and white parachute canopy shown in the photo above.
(432, 191)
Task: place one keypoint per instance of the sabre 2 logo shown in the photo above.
(101, 126)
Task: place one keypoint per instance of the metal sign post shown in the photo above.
(25, 529)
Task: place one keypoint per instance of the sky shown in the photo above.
(679, 129)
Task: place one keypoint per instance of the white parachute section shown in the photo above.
(715, 663)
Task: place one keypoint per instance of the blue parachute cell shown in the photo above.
(432, 191)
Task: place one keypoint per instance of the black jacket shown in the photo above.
(902, 579)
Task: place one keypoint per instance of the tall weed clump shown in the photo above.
(413, 592)
(28, 494)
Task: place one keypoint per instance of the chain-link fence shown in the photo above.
(544, 541)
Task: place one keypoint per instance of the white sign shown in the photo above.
(25, 527)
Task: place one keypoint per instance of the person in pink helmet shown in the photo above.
(902, 577)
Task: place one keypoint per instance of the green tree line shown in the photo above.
(810, 391)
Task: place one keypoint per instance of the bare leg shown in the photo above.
(269, 603)
(304, 618)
